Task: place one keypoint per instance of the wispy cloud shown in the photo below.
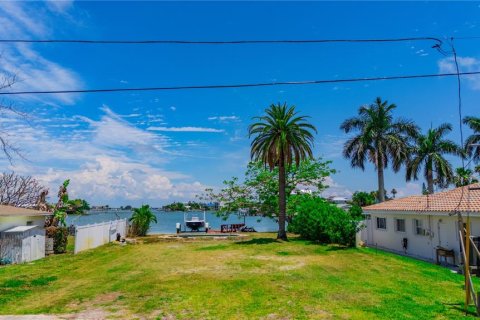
(34, 72)
(465, 64)
(108, 160)
(184, 129)
(224, 118)
(331, 146)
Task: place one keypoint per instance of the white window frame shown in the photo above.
(417, 227)
(376, 223)
(404, 225)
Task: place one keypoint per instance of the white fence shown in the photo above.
(94, 235)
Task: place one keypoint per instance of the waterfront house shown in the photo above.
(421, 226)
(22, 234)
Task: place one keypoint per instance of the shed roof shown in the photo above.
(459, 199)
(20, 229)
(6, 211)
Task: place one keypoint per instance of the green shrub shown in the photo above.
(141, 219)
(319, 220)
(60, 240)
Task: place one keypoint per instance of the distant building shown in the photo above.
(341, 202)
(419, 225)
(213, 206)
(302, 191)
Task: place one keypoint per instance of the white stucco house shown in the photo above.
(419, 225)
(22, 234)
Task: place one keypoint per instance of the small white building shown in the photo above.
(22, 234)
(419, 225)
(341, 202)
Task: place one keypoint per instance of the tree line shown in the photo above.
(282, 147)
(385, 141)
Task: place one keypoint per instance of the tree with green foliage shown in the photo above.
(319, 220)
(309, 174)
(463, 177)
(362, 198)
(380, 139)
(428, 153)
(175, 206)
(280, 138)
(472, 144)
(258, 194)
(77, 206)
(141, 220)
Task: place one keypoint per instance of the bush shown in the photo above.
(141, 219)
(319, 220)
(60, 238)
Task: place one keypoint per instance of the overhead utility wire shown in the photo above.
(200, 42)
(245, 85)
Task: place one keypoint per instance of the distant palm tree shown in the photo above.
(473, 142)
(141, 219)
(394, 192)
(380, 139)
(464, 177)
(428, 152)
(281, 137)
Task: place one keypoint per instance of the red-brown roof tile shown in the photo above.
(458, 199)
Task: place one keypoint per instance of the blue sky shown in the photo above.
(156, 147)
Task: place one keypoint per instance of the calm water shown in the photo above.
(167, 220)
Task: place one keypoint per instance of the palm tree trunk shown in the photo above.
(430, 180)
(381, 185)
(381, 178)
(282, 203)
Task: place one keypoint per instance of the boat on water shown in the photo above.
(194, 221)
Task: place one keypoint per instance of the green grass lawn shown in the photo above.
(257, 278)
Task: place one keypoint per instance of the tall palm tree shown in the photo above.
(428, 152)
(472, 145)
(281, 137)
(381, 139)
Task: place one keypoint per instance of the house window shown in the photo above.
(382, 223)
(400, 225)
(418, 227)
(29, 223)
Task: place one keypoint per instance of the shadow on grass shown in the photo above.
(460, 307)
(257, 241)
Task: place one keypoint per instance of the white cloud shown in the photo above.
(108, 160)
(184, 129)
(331, 146)
(409, 189)
(465, 64)
(224, 118)
(33, 71)
(335, 189)
(105, 179)
(59, 6)
(173, 108)
(421, 53)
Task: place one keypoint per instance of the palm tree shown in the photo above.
(428, 152)
(394, 192)
(463, 177)
(141, 219)
(380, 139)
(473, 142)
(281, 137)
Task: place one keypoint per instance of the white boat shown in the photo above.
(194, 221)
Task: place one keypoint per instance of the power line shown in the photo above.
(244, 85)
(229, 42)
